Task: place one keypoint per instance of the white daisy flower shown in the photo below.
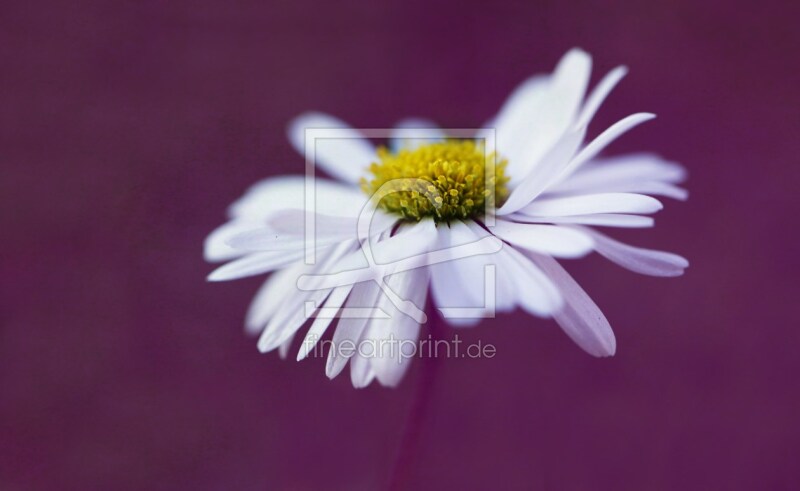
(441, 216)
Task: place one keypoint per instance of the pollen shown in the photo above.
(454, 179)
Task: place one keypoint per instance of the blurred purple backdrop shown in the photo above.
(128, 127)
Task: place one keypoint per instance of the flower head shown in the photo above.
(477, 222)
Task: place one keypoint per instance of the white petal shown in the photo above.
(550, 116)
(561, 161)
(446, 290)
(255, 264)
(216, 248)
(570, 80)
(271, 196)
(545, 239)
(288, 192)
(519, 281)
(449, 290)
(408, 248)
(293, 312)
(599, 94)
(460, 280)
(268, 195)
(593, 203)
(361, 372)
(653, 189)
(597, 145)
(472, 271)
(281, 289)
(520, 106)
(283, 350)
(348, 331)
(411, 240)
(472, 268)
(289, 319)
(286, 230)
(270, 296)
(536, 293)
(636, 173)
(598, 219)
(410, 133)
(446, 286)
(390, 364)
(458, 283)
(601, 174)
(344, 154)
(265, 239)
(517, 120)
(541, 175)
(292, 223)
(644, 261)
(334, 302)
(580, 318)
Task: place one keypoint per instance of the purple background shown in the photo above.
(128, 127)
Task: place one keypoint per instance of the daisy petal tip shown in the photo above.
(333, 369)
(612, 347)
(604, 347)
(252, 330)
(296, 129)
(301, 119)
(329, 368)
(361, 382)
(215, 276)
(639, 118)
(266, 342)
(332, 374)
(389, 381)
(675, 273)
(608, 354)
(577, 53)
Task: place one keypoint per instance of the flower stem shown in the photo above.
(420, 406)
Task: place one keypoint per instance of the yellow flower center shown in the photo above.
(454, 179)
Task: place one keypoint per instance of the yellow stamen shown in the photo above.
(454, 179)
